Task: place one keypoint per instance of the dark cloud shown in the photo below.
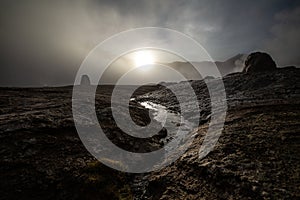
(44, 42)
(285, 41)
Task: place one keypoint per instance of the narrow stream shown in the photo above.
(171, 121)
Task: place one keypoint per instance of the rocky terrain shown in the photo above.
(256, 157)
(42, 156)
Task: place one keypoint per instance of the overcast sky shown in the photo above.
(44, 42)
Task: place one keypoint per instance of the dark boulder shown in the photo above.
(163, 133)
(85, 80)
(258, 62)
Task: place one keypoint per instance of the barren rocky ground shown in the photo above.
(42, 156)
(256, 157)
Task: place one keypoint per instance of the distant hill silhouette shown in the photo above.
(233, 64)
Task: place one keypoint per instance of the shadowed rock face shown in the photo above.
(258, 61)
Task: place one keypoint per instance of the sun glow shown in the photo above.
(142, 58)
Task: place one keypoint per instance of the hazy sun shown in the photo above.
(143, 58)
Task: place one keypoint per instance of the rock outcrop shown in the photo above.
(258, 62)
(85, 80)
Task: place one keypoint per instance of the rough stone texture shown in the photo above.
(258, 62)
(257, 156)
(250, 161)
(41, 155)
